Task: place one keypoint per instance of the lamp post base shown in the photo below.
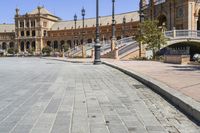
(97, 60)
(113, 44)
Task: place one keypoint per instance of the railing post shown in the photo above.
(117, 53)
(174, 32)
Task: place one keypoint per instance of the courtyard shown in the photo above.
(43, 96)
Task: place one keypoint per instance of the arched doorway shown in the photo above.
(28, 45)
(22, 46)
(33, 45)
(119, 37)
(162, 21)
(198, 21)
(69, 42)
(49, 43)
(89, 41)
(62, 44)
(4, 47)
(11, 45)
(55, 45)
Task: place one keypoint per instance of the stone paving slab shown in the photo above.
(185, 103)
(87, 99)
(183, 78)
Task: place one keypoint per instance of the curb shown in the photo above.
(186, 104)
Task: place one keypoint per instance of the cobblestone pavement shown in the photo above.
(43, 96)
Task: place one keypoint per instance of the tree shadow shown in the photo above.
(187, 68)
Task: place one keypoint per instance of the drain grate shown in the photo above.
(139, 86)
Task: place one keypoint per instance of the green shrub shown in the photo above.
(30, 51)
(12, 51)
(140, 58)
(47, 50)
(66, 47)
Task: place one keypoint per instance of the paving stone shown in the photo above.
(50, 96)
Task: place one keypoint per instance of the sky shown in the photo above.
(65, 9)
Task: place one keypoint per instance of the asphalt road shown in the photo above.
(43, 96)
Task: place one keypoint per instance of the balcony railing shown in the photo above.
(182, 34)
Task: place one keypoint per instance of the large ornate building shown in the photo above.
(179, 14)
(40, 28)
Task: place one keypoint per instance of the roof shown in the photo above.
(105, 20)
(7, 28)
(42, 11)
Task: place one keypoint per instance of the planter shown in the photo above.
(177, 59)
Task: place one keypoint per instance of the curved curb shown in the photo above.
(189, 106)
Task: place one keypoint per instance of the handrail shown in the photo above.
(182, 33)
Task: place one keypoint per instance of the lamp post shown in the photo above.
(97, 46)
(141, 21)
(75, 20)
(124, 26)
(113, 26)
(83, 15)
(83, 34)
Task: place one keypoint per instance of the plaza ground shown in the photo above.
(183, 78)
(43, 96)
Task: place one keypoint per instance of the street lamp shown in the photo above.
(75, 20)
(97, 46)
(83, 34)
(113, 26)
(83, 15)
(124, 26)
(141, 21)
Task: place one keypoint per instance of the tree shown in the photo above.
(150, 35)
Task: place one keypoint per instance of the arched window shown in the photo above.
(33, 33)
(27, 33)
(11, 45)
(49, 43)
(33, 45)
(69, 42)
(198, 21)
(55, 44)
(4, 46)
(162, 19)
(28, 45)
(62, 43)
(89, 41)
(22, 33)
(45, 33)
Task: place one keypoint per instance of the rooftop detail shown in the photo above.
(104, 20)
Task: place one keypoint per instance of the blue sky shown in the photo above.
(64, 9)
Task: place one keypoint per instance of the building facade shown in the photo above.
(178, 14)
(40, 28)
